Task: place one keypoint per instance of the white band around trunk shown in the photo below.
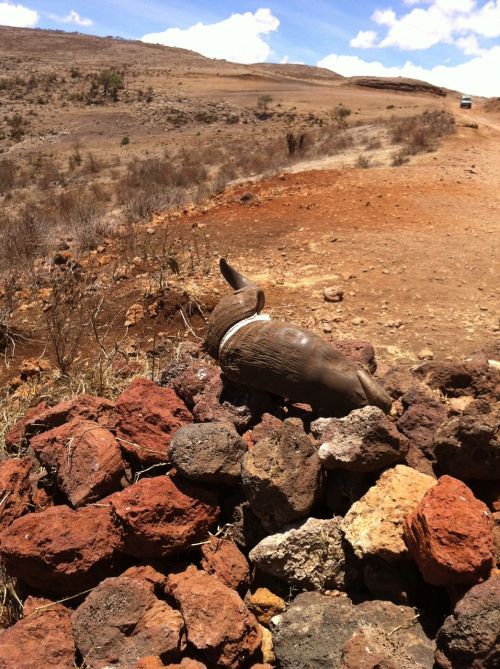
(241, 324)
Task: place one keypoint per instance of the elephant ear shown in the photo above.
(234, 278)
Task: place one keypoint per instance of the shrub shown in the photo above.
(125, 141)
(363, 161)
(7, 175)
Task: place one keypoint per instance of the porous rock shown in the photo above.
(89, 407)
(268, 425)
(470, 636)
(213, 398)
(310, 556)
(84, 457)
(282, 476)
(246, 528)
(450, 535)
(121, 621)
(468, 446)
(148, 575)
(359, 350)
(147, 416)
(218, 624)
(187, 663)
(42, 638)
(223, 559)
(363, 441)
(470, 377)
(60, 550)
(15, 493)
(374, 524)
(264, 604)
(209, 452)
(163, 515)
(315, 629)
(423, 414)
(15, 436)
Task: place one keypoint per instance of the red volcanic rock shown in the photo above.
(187, 663)
(218, 624)
(268, 425)
(121, 621)
(223, 559)
(151, 662)
(162, 516)
(469, 637)
(60, 550)
(93, 408)
(42, 639)
(146, 574)
(85, 458)
(449, 535)
(14, 489)
(359, 351)
(15, 436)
(423, 414)
(147, 416)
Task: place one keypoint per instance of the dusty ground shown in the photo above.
(415, 248)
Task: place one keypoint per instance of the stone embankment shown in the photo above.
(201, 524)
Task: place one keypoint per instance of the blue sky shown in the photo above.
(454, 43)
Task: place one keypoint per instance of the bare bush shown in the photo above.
(7, 175)
(68, 317)
(421, 133)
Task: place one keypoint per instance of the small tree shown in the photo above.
(111, 82)
(340, 114)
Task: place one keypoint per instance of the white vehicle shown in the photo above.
(466, 102)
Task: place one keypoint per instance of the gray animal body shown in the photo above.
(283, 358)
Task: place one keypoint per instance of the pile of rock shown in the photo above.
(201, 524)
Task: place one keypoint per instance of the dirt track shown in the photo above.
(415, 248)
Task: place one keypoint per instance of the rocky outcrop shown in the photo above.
(399, 84)
(450, 535)
(282, 476)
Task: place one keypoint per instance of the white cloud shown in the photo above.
(238, 38)
(470, 46)
(364, 39)
(17, 16)
(440, 21)
(384, 17)
(478, 76)
(75, 19)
